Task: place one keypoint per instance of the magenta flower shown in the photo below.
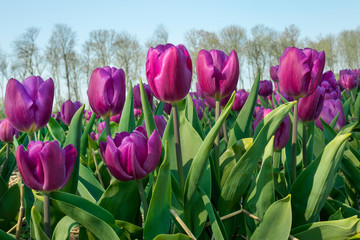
(106, 91)
(329, 111)
(240, 99)
(45, 166)
(199, 107)
(328, 82)
(217, 73)
(137, 95)
(273, 73)
(169, 72)
(265, 88)
(282, 134)
(28, 105)
(167, 108)
(68, 109)
(300, 71)
(348, 79)
(131, 156)
(137, 112)
(116, 118)
(310, 107)
(160, 124)
(7, 131)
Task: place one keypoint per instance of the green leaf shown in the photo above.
(3, 187)
(217, 225)
(9, 206)
(94, 218)
(160, 202)
(5, 236)
(357, 106)
(36, 232)
(130, 231)
(241, 128)
(329, 230)
(276, 223)
(74, 137)
(240, 176)
(346, 210)
(56, 131)
(147, 111)
(127, 120)
(63, 228)
(91, 184)
(86, 133)
(336, 216)
(178, 236)
(312, 187)
(347, 107)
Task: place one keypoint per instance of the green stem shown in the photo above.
(6, 163)
(142, 197)
(178, 147)
(304, 142)
(107, 126)
(47, 228)
(31, 136)
(294, 143)
(226, 139)
(217, 142)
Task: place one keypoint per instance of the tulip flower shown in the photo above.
(169, 72)
(45, 166)
(282, 134)
(106, 91)
(217, 73)
(311, 106)
(116, 118)
(7, 131)
(160, 124)
(300, 71)
(329, 111)
(167, 108)
(138, 112)
(273, 73)
(240, 99)
(68, 109)
(199, 107)
(131, 156)
(199, 93)
(28, 105)
(137, 96)
(265, 88)
(328, 82)
(348, 79)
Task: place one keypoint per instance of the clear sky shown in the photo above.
(141, 17)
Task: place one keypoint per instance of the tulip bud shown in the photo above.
(217, 73)
(265, 88)
(273, 73)
(131, 156)
(240, 99)
(137, 95)
(68, 109)
(329, 111)
(106, 91)
(282, 134)
(169, 72)
(311, 106)
(28, 105)
(300, 71)
(7, 131)
(45, 166)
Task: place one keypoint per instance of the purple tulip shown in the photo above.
(45, 166)
(240, 99)
(328, 82)
(199, 107)
(217, 73)
(101, 127)
(300, 71)
(116, 118)
(137, 112)
(7, 131)
(329, 111)
(310, 107)
(106, 91)
(348, 79)
(94, 136)
(137, 95)
(68, 109)
(199, 93)
(160, 124)
(282, 134)
(131, 156)
(167, 108)
(265, 88)
(273, 73)
(28, 105)
(169, 72)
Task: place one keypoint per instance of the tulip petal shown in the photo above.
(230, 74)
(154, 152)
(316, 72)
(134, 167)
(206, 73)
(32, 85)
(118, 88)
(70, 158)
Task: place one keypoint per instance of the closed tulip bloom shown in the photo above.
(348, 79)
(7, 131)
(282, 134)
(131, 156)
(137, 112)
(300, 71)
(45, 166)
(310, 107)
(217, 73)
(106, 91)
(240, 99)
(28, 105)
(116, 118)
(137, 95)
(273, 73)
(329, 111)
(328, 82)
(265, 88)
(68, 109)
(169, 72)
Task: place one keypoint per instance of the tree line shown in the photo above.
(70, 67)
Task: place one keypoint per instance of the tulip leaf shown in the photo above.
(9, 206)
(160, 108)
(7, 171)
(56, 131)
(36, 232)
(346, 210)
(329, 230)
(91, 184)
(357, 106)
(241, 127)
(277, 221)
(94, 218)
(3, 187)
(350, 169)
(63, 228)
(310, 141)
(74, 137)
(5, 236)
(86, 133)
(240, 176)
(160, 202)
(346, 106)
(147, 111)
(130, 231)
(312, 187)
(127, 120)
(178, 236)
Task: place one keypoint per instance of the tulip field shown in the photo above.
(156, 161)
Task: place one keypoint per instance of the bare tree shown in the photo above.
(349, 48)
(86, 62)
(3, 71)
(160, 36)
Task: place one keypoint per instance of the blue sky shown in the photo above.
(141, 17)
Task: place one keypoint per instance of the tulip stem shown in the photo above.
(217, 141)
(6, 163)
(304, 145)
(47, 229)
(178, 146)
(21, 213)
(142, 197)
(30, 136)
(107, 126)
(294, 143)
